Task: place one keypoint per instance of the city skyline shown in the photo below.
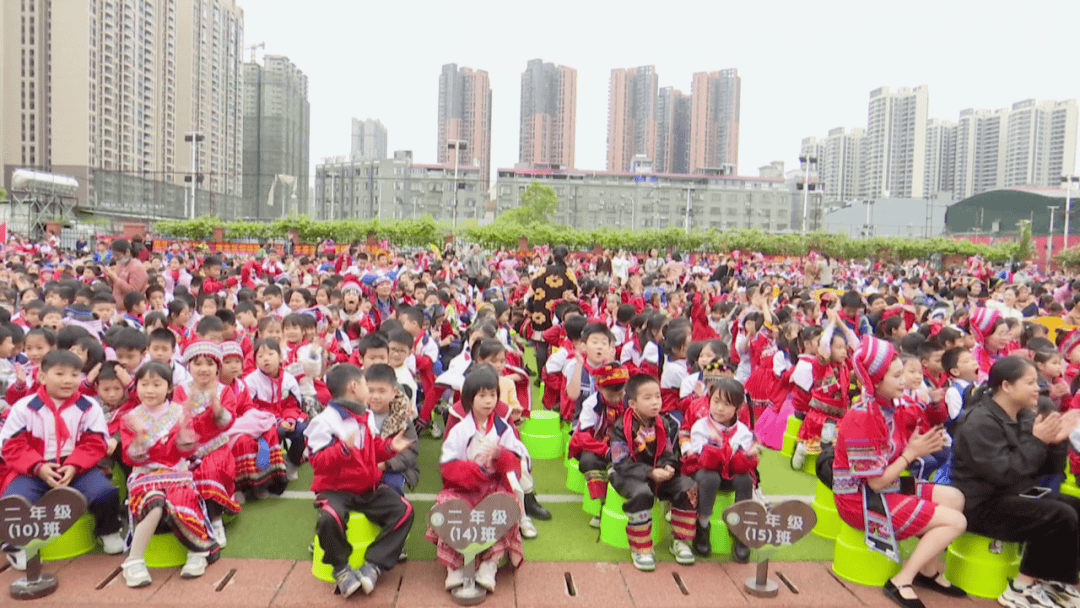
(782, 101)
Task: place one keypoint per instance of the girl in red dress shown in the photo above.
(213, 464)
(159, 437)
(874, 445)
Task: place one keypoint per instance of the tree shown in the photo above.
(1025, 247)
(537, 206)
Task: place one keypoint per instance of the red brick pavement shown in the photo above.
(89, 582)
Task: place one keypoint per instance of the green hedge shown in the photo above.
(505, 235)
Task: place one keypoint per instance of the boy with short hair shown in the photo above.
(392, 412)
(155, 298)
(275, 303)
(372, 349)
(401, 345)
(595, 348)
(103, 304)
(52, 318)
(209, 328)
(963, 371)
(55, 437)
(345, 457)
(644, 469)
(589, 442)
(135, 307)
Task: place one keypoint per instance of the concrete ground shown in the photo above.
(93, 580)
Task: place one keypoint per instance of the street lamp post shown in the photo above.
(1050, 235)
(457, 145)
(806, 160)
(194, 138)
(689, 192)
(1068, 180)
(633, 210)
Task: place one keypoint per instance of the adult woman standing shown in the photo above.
(1002, 448)
(875, 443)
(554, 283)
(654, 263)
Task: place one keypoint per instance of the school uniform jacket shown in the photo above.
(632, 460)
(279, 395)
(338, 465)
(715, 447)
(38, 430)
(461, 472)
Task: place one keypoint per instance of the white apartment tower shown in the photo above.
(894, 149)
(368, 139)
(940, 158)
(839, 167)
(1040, 142)
(980, 151)
(105, 91)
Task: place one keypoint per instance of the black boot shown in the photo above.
(533, 508)
(739, 552)
(702, 543)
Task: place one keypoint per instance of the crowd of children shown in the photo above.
(213, 383)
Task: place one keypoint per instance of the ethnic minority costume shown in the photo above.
(468, 475)
(638, 447)
(260, 457)
(829, 398)
(213, 464)
(870, 437)
(981, 324)
(761, 384)
(161, 477)
(716, 458)
(589, 442)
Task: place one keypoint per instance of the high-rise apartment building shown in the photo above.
(277, 127)
(894, 149)
(980, 151)
(714, 122)
(672, 131)
(548, 114)
(106, 91)
(938, 177)
(631, 116)
(840, 161)
(368, 139)
(465, 115)
(1040, 143)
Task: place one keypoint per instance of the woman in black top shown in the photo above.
(1002, 448)
(554, 283)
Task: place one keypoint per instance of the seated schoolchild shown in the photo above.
(55, 437)
(345, 457)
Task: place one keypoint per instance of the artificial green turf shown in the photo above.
(284, 527)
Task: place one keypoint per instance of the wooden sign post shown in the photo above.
(780, 525)
(471, 531)
(32, 526)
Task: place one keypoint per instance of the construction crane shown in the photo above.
(261, 45)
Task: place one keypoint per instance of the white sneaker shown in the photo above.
(454, 578)
(595, 522)
(292, 472)
(798, 458)
(135, 573)
(239, 497)
(436, 429)
(113, 544)
(1064, 595)
(528, 528)
(17, 559)
(682, 552)
(485, 574)
(644, 561)
(219, 533)
(195, 565)
(1031, 596)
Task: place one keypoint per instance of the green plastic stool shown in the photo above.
(575, 480)
(77, 540)
(543, 447)
(165, 551)
(854, 561)
(810, 465)
(972, 567)
(718, 531)
(613, 521)
(1069, 487)
(828, 521)
(590, 506)
(791, 436)
(119, 479)
(541, 422)
(360, 534)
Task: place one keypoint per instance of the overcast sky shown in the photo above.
(806, 67)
